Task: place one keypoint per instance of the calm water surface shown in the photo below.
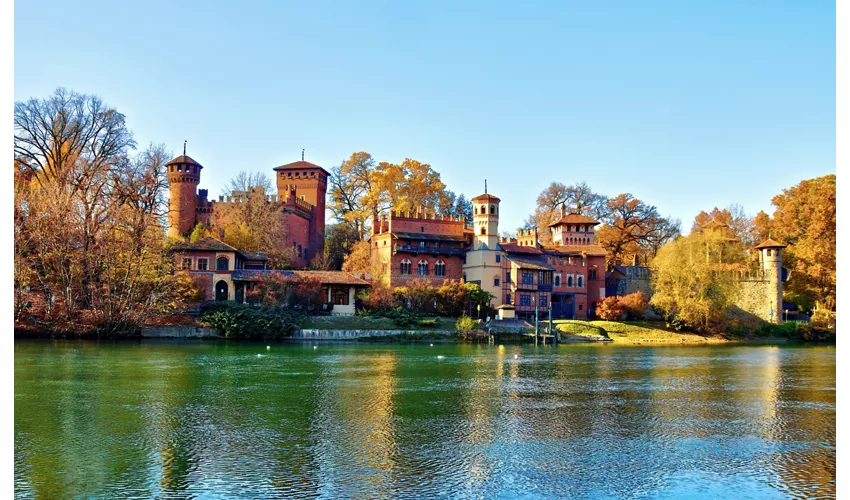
(213, 420)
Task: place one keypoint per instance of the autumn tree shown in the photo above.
(694, 280)
(359, 260)
(741, 226)
(558, 200)
(635, 228)
(252, 223)
(805, 220)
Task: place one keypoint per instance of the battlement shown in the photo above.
(415, 222)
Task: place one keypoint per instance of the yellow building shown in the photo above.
(483, 259)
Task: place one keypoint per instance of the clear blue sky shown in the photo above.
(687, 105)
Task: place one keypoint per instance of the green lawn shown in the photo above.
(631, 331)
(370, 323)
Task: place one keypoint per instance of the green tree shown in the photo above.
(694, 280)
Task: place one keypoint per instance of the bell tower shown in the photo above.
(485, 220)
(184, 175)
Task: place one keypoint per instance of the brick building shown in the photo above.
(300, 201)
(409, 246)
(568, 276)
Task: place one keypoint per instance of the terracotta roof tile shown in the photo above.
(300, 164)
(485, 196)
(184, 159)
(516, 248)
(769, 243)
(208, 243)
(591, 250)
(574, 219)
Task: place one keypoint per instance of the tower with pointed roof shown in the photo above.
(184, 175)
(770, 260)
(485, 220)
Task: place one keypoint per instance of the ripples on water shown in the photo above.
(210, 420)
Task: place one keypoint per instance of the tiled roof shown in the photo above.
(574, 219)
(325, 277)
(208, 243)
(254, 255)
(183, 159)
(530, 263)
(769, 243)
(516, 248)
(485, 196)
(333, 277)
(299, 165)
(590, 250)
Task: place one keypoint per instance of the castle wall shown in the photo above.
(182, 207)
(756, 297)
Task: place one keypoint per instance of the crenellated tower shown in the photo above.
(309, 182)
(184, 175)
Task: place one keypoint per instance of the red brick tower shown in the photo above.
(184, 175)
(310, 183)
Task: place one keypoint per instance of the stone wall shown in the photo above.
(756, 298)
(319, 334)
(179, 332)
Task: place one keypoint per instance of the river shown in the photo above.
(240, 420)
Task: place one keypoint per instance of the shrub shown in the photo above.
(429, 322)
(634, 304)
(250, 322)
(376, 299)
(610, 309)
(465, 325)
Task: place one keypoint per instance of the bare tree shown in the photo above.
(244, 181)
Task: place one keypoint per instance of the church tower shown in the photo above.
(485, 221)
(770, 258)
(184, 175)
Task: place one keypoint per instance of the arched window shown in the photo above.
(476, 210)
(222, 264)
(423, 268)
(557, 280)
(440, 268)
(570, 281)
(492, 209)
(405, 266)
(299, 250)
(580, 282)
(484, 231)
(592, 273)
(768, 252)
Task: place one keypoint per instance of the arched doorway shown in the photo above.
(221, 290)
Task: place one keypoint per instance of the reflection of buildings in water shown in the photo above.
(768, 385)
(356, 427)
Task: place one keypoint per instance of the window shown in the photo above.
(440, 268)
(484, 231)
(495, 281)
(492, 209)
(476, 210)
(508, 276)
(580, 281)
(405, 266)
(592, 274)
(768, 252)
(340, 297)
(187, 264)
(498, 258)
(422, 244)
(544, 277)
(299, 250)
(580, 306)
(558, 280)
(423, 268)
(570, 281)
(543, 300)
(527, 278)
(508, 298)
(524, 299)
(222, 264)
(202, 264)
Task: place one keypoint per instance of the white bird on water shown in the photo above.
(432, 345)
(315, 347)
(259, 355)
(515, 356)
(440, 356)
(268, 348)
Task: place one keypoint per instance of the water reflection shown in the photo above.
(187, 420)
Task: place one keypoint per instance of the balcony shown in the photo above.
(430, 250)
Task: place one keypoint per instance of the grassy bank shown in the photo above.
(634, 332)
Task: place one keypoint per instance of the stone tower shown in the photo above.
(310, 183)
(770, 258)
(485, 221)
(184, 175)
